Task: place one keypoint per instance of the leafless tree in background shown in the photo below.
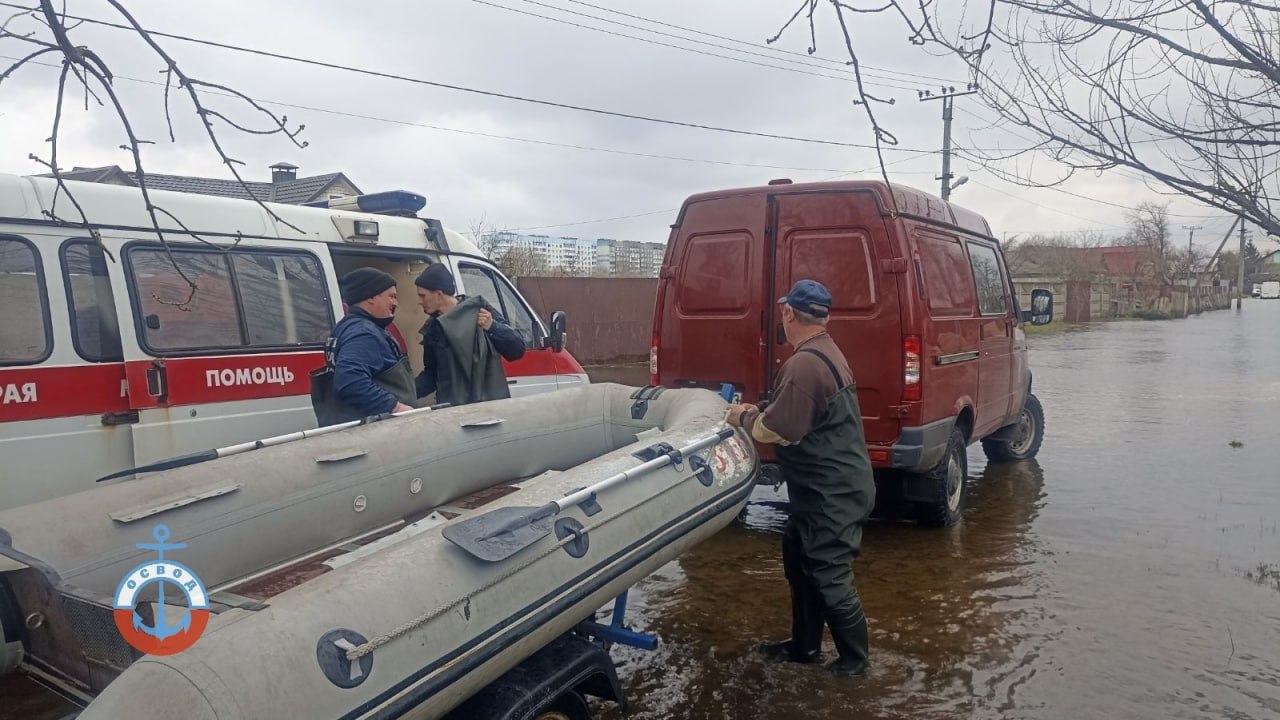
(1185, 93)
(44, 34)
(521, 260)
(1149, 228)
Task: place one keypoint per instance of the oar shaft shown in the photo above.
(314, 432)
(642, 469)
(557, 506)
(203, 455)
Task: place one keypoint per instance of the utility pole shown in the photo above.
(1240, 271)
(947, 97)
(1186, 303)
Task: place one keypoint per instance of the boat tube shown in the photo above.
(388, 570)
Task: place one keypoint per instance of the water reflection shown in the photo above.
(949, 610)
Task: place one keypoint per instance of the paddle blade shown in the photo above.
(499, 534)
(170, 464)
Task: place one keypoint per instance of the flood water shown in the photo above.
(1132, 571)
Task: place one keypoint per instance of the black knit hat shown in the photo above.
(437, 277)
(363, 283)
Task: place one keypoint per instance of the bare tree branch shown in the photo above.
(1184, 92)
(95, 75)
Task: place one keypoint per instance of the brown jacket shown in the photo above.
(804, 387)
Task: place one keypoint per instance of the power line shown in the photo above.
(659, 212)
(1046, 207)
(477, 133)
(845, 76)
(486, 93)
(757, 45)
(1118, 171)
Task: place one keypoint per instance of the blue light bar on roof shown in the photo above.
(391, 202)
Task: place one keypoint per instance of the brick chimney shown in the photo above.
(283, 172)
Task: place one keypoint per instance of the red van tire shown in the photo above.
(1024, 441)
(947, 479)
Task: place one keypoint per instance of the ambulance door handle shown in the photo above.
(157, 381)
(780, 335)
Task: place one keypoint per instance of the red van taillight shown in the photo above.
(911, 367)
(653, 361)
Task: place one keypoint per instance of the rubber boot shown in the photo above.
(805, 644)
(849, 630)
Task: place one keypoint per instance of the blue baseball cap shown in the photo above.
(808, 296)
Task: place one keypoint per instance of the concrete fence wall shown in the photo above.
(1085, 301)
(610, 320)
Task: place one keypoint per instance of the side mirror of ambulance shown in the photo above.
(558, 325)
(1041, 312)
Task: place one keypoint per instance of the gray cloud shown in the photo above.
(526, 185)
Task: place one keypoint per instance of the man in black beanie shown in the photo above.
(370, 374)
(461, 365)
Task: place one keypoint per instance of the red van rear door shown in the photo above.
(710, 319)
(841, 240)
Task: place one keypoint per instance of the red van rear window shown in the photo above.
(714, 274)
(841, 260)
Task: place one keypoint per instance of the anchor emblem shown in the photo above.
(161, 637)
(161, 630)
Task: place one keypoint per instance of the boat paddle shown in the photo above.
(499, 534)
(204, 455)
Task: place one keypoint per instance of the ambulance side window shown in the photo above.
(283, 298)
(479, 281)
(24, 333)
(243, 300)
(176, 316)
(95, 330)
(517, 315)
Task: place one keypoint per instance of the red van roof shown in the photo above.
(910, 201)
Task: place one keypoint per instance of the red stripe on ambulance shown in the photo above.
(223, 378)
(35, 393)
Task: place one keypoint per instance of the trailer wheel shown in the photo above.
(569, 706)
(947, 480)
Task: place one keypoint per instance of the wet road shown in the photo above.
(1133, 571)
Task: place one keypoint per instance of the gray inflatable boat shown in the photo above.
(386, 570)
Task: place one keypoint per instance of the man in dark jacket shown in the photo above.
(461, 365)
(371, 375)
(815, 422)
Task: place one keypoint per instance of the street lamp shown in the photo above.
(959, 181)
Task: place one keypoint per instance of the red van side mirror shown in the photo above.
(1041, 312)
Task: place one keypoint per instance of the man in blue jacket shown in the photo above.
(459, 365)
(371, 375)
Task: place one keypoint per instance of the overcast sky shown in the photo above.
(545, 188)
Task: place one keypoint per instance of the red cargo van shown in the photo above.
(924, 310)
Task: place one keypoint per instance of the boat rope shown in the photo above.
(354, 654)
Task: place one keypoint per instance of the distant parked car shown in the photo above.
(1257, 291)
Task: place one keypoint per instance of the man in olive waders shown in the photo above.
(816, 425)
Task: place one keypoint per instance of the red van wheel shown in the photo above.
(1024, 442)
(947, 479)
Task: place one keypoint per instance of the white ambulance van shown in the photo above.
(107, 361)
